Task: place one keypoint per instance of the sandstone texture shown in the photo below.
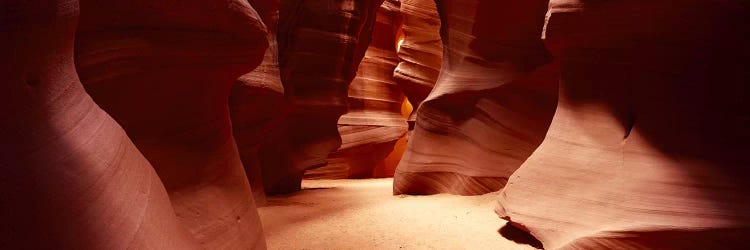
(373, 123)
(257, 104)
(648, 147)
(321, 44)
(164, 71)
(72, 179)
(491, 105)
(420, 53)
(587, 124)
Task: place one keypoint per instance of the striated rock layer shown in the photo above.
(257, 104)
(374, 123)
(420, 52)
(491, 105)
(321, 44)
(72, 179)
(648, 148)
(164, 71)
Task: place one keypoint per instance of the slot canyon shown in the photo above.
(375, 124)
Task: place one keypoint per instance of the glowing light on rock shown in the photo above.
(398, 44)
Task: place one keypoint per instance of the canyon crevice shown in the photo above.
(314, 124)
(491, 104)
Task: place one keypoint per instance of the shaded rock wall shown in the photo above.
(164, 71)
(491, 105)
(420, 54)
(373, 123)
(72, 179)
(648, 148)
(257, 104)
(321, 44)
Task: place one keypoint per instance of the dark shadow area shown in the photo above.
(638, 238)
(519, 236)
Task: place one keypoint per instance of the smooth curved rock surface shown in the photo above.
(164, 71)
(321, 44)
(491, 105)
(373, 123)
(72, 179)
(420, 53)
(648, 148)
(257, 104)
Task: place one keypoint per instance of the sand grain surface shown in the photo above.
(363, 214)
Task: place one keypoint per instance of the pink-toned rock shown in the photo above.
(648, 148)
(492, 103)
(164, 71)
(420, 53)
(321, 44)
(373, 123)
(72, 179)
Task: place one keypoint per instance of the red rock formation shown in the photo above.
(164, 70)
(257, 103)
(320, 46)
(72, 179)
(374, 123)
(387, 167)
(420, 53)
(491, 105)
(648, 148)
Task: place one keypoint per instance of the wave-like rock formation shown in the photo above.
(492, 103)
(72, 179)
(420, 53)
(321, 44)
(257, 104)
(374, 123)
(164, 71)
(648, 148)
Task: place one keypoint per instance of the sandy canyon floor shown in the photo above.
(363, 214)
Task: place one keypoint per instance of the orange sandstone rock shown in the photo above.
(373, 123)
(164, 71)
(321, 44)
(491, 105)
(648, 148)
(420, 52)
